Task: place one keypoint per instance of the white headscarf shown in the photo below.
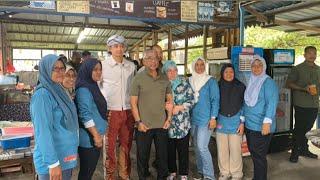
(198, 80)
(255, 83)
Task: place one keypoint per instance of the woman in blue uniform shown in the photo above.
(55, 122)
(261, 99)
(204, 114)
(230, 126)
(92, 109)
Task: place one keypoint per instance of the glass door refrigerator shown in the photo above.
(279, 64)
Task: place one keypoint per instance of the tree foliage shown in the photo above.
(269, 38)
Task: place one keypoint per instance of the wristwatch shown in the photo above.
(138, 122)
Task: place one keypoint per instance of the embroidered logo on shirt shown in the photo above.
(70, 158)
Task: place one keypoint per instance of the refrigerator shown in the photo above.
(279, 63)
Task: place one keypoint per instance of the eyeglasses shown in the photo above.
(59, 69)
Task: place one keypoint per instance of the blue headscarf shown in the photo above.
(84, 79)
(169, 64)
(46, 66)
(251, 94)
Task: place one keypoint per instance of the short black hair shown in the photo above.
(308, 48)
(86, 53)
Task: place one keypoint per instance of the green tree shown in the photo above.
(269, 38)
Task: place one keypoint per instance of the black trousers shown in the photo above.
(88, 161)
(144, 141)
(258, 146)
(182, 147)
(304, 120)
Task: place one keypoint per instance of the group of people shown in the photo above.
(77, 112)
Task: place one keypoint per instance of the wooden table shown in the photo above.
(26, 164)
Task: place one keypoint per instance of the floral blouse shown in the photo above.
(180, 124)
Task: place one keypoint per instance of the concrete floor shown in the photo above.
(279, 168)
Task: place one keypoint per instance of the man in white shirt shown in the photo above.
(117, 74)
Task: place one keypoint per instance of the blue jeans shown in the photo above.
(201, 138)
(66, 175)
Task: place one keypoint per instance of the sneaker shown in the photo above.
(309, 154)
(294, 156)
(172, 176)
(183, 177)
(197, 176)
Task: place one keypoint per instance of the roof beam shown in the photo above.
(312, 35)
(297, 21)
(151, 24)
(306, 19)
(260, 17)
(99, 26)
(294, 7)
(293, 30)
(298, 26)
(289, 8)
(57, 42)
(249, 3)
(60, 34)
(263, 18)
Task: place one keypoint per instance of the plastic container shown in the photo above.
(12, 142)
(17, 131)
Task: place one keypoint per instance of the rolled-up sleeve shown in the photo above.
(271, 98)
(84, 101)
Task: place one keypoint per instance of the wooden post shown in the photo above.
(205, 36)
(237, 36)
(214, 40)
(231, 38)
(226, 38)
(137, 52)
(169, 43)
(154, 38)
(186, 50)
(144, 45)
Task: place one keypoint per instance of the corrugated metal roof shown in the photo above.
(305, 13)
(60, 32)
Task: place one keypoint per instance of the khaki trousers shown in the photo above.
(229, 155)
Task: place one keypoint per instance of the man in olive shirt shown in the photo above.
(150, 90)
(304, 81)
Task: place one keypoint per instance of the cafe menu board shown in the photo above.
(73, 7)
(224, 8)
(169, 10)
(113, 8)
(205, 11)
(189, 11)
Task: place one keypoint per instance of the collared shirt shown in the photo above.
(151, 94)
(116, 81)
(304, 75)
